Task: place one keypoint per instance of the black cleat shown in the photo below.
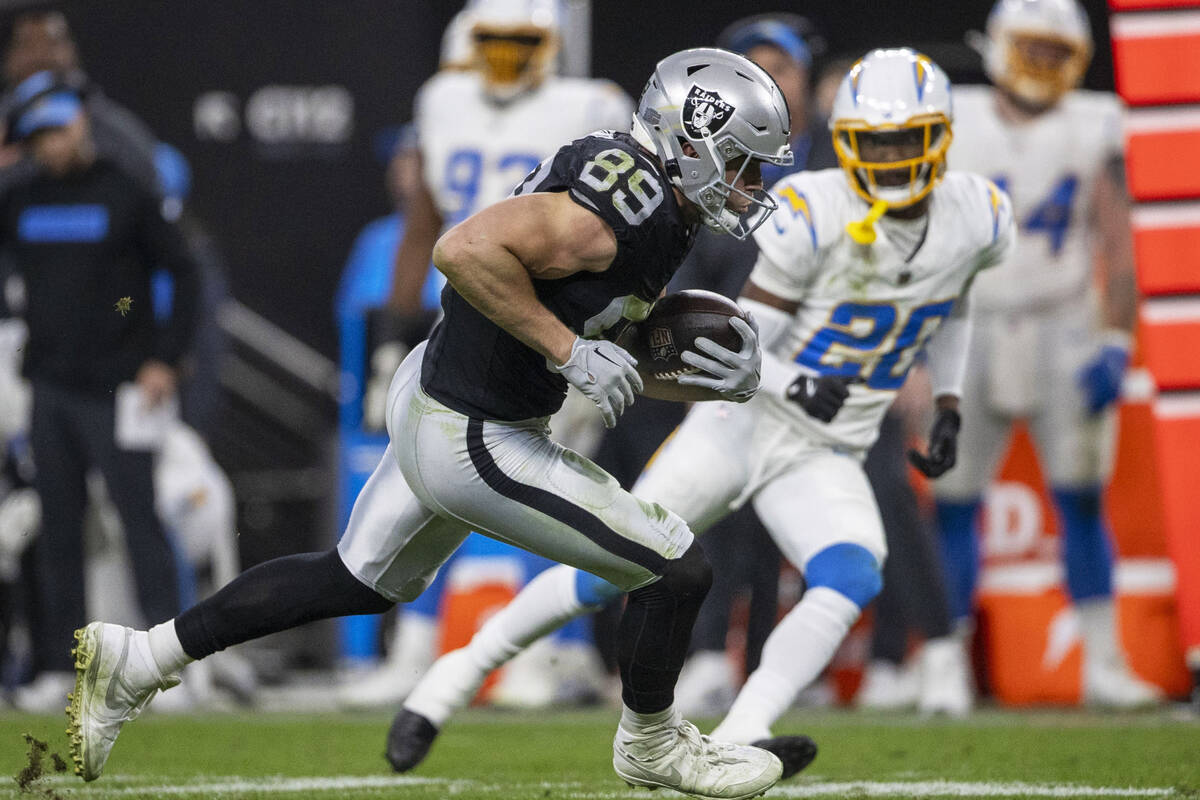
(409, 740)
(796, 752)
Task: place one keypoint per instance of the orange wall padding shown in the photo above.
(1144, 5)
(1155, 70)
(1168, 259)
(1172, 353)
(1164, 165)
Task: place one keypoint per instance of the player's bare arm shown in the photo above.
(492, 258)
(1101, 377)
(756, 293)
(422, 225)
(1111, 206)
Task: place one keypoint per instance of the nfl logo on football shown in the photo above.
(662, 344)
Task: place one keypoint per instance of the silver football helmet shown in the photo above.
(704, 108)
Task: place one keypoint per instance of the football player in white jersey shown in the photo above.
(482, 129)
(1046, 348)
(491, 114)
(856, 272)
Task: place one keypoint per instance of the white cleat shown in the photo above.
(385, 686)
(115, 679)
(707, 685)
(947, 686)
(694, 764)
(45, 694)
(388, 684)
(1115, 686)
(529, 681)
(888, 687)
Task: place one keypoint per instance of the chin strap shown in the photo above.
(863, 230)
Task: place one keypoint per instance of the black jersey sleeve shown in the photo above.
(609, 174)
(476, 368)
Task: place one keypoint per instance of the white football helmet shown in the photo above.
(458, 48)
(1015, 31)
(515, 43)
(894, 100)
(723, 107)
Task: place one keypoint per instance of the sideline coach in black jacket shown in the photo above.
(86, 238)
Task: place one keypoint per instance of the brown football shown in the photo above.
(675, 322)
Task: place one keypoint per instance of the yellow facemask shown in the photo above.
(513, 59)
(924, 170)
(1042, 81)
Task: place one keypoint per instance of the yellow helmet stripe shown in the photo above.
(922, 71)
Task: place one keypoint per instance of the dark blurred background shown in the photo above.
(286, 111)
(280, 104)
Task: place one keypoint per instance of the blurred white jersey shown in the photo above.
(475, 150)
(1049, 166)
(868, 310)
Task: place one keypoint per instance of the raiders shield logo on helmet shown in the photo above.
(704, 113)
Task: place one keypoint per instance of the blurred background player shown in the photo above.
(85, 239)
(193, 496)
(1055, 322)
(40, 40)
(485, 121)
(847, 290)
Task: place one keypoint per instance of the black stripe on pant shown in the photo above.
(556, 506)
(657, 624)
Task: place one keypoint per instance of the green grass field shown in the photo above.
(502, 756)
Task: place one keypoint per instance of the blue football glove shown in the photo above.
(1101, 377)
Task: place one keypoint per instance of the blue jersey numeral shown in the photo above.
(464, 172)
(921, 324)
(864, 327)
(1052, 216)
(839, 333)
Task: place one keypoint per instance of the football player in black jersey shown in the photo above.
(538, 286)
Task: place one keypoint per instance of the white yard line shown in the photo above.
(224, 786)
(959, 789)
(232, 785)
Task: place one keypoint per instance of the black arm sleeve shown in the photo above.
(165, 248)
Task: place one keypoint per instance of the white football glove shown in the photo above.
(605, 373)
(735, 375)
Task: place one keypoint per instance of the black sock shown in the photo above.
(655, 631)
(275, 596)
